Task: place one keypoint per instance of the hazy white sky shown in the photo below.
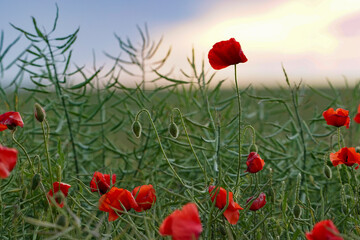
(313, 39)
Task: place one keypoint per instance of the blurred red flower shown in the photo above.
(182, 224)
(226, 53)
(110, 202)
(324, 230)
(257, 203)
(232, 211)
(8, 159)
(59, 192)
(337, 118)
(347, 156)
(144, 196)
(101, 182)
(10, 119)
(254, 163)
(357, 117)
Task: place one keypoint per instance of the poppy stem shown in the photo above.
(161, 147)
(339, 137)
(47, 152)
(239, 117)
(22, 147)
(188, 138)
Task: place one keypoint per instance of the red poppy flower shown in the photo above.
(347, 156)
(101, 182)
(59, 192)
(324, 230)
(257, 203)
(8, 158)
(110, 202)
(232, 211)
(357, 117)
(182, 224)
(337, 118)
(226, 53)
(10, 119)
(254, 163)
(144, 196)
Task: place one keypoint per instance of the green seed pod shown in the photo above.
(297, 211)
(136, 128)
(62, 220)
(39, 112)
(173, 130)
(327, 172)
(35, 181)
(253, 148)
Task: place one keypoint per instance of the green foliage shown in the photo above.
(89, 126)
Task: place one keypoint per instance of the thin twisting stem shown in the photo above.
(188, 138)
(22, 147)
(161, 147)
(47, 152)
(239, 117)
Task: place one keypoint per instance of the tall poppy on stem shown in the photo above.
(101, 182)
(347, 156)
(10, 120)
(232, 211)
(324, 230)
(8, 159)
(59, 192)
(182, 224)
(116, 201)
(222, 55)
(254, 163)
(337, 118)
(144, 196)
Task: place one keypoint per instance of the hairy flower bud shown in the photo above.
(136, 128)
(173, 130)
(39, 112)
(297, 211)
(35, 181)
(327, 172)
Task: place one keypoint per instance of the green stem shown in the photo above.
(253, 132)
(161, 147)
(188, 138)
(22, 147)
(47, 153)
(239, 117)
(338, 137)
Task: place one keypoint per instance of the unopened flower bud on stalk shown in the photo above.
(173, 130)
(35, 181)
(136, 128)
(327, 172)
(297, 211)
(62, 220)
(39, 112)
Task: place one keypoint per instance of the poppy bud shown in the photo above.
(297, 211)
(173, 130)
(357, 149)
(136, 128)
(253, 148)
(327, 172)
(62, 220)
(35, 181)
(39, 112)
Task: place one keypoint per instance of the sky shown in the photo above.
(315, 40)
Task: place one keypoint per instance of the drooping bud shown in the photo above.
(39, 112)
(35, 181)
(327, 172)
(357, 149)
(136, 128)
(62, 220)
(297, 211)
(173, 130)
